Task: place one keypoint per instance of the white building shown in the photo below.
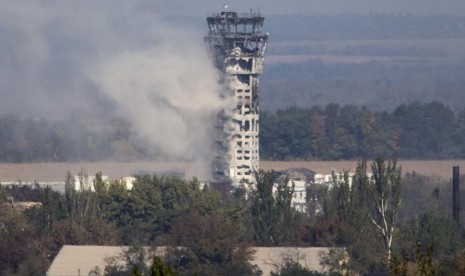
(299, 198)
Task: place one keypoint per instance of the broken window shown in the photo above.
(246, 125)
(245, 79)
(248, 110)
(243, 64)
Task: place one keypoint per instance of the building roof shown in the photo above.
(73, 260)
(80, 260)
(267, 258)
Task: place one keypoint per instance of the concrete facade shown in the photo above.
(237, 46)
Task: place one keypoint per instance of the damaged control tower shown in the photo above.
(237, 46)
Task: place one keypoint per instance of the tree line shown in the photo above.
(412, 131)
(77, 138)
(388, 222)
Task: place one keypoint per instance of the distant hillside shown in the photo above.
(368, 26)
(378, 85)
(376, 60)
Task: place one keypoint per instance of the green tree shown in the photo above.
(275, 222)
(347, 209)
(158, 268)
(209, 244)
(425, 129)
(290, 264)
(23, 249)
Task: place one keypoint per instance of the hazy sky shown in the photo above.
(49, 46)
(424, 7)
(72, 58)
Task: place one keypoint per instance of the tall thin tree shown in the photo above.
(387, 198)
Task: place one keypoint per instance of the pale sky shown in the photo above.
(422, 7)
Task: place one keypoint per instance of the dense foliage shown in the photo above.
(412, 131)
(77, 138)
(209, 232)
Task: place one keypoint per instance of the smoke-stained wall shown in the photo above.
(237, 47)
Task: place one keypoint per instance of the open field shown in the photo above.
(280, 59)
(453, 47)
(48, 172)
(441, 168)
(333, 51)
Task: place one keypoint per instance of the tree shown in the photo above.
(209, 244)
(23, 251)
(346, 210)
(386, 200)
(289, 264)
(158, 268)
(275, 221)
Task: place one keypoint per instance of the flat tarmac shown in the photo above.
(49, 172)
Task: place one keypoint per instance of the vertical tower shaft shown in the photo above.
(237, 46)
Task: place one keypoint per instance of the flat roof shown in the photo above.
(73, 260)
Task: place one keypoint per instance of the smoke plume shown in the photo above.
(75, 57)
(169, 93)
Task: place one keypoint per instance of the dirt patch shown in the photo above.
(48, 172)
(441, 168)
(51, 172)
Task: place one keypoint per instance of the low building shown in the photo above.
(83, 259)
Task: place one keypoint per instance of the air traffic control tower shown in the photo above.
(237, 46)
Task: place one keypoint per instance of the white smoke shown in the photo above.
(170, 94)
(60, 57)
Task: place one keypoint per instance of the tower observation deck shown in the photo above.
(237, 46)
